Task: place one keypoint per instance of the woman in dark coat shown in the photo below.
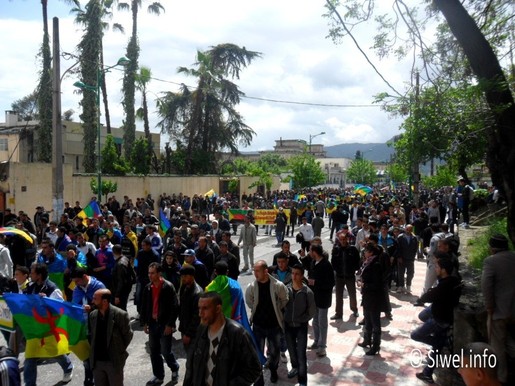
(370, 279)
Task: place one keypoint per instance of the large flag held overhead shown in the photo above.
(11, 231)
(51, 327)
(90, 211)
(164, 223)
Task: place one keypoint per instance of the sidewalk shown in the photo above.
(346, 364)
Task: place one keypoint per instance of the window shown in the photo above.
(3, 144)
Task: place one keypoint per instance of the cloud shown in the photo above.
(298, 64)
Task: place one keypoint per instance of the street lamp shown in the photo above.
(123, 61)
(311, 139)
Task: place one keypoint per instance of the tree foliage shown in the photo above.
(27, 107)
(143, 77)
(112, 162)
(362, 171)
(306, 171)
(89, 63)
(445, 176)
(140, 159)
(129, 79)
(107, 186)
(397, 172)
(205, 120)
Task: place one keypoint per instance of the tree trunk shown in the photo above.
(104, 92)
(501, 135)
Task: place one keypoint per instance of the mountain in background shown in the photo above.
(377, 152)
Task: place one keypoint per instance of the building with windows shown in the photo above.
(17, 141)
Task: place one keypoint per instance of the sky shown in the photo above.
(298, 64)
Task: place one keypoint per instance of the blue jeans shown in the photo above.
(160, 347)
(273, 335)
(320, 327)
(297, 341)
(431, 333)
(30, 368)
(279, 235)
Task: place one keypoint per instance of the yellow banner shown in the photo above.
(267, 216)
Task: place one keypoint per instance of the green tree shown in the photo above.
(445, 176)
(306, 171)
(89, 48)
(112, 162)
(205, 119)
(107, 187)
(129, 79)
(106, 15)
(273, 163)
(397, 172)
(362, 171)
(140, 158)
(143, 77)
(27, 107)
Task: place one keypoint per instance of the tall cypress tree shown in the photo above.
(90, 54)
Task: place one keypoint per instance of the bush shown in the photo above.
(478, 247)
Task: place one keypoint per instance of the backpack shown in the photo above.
(454, 241)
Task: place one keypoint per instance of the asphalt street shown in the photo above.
(138, 369)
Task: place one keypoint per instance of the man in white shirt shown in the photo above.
(307, 232)
(6, 264)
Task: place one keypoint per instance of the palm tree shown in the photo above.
(44, 140)
(143, 77)
(129, 78)
(206, 118)
(80, 18)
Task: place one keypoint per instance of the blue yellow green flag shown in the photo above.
(51, 327)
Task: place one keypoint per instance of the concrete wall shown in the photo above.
(30, 185)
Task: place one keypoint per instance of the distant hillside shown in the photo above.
(378, 152)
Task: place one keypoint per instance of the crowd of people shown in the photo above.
(375, 240)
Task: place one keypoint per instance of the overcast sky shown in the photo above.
(299, 64)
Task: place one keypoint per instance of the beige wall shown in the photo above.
(30, 185)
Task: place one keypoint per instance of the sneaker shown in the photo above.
(293, 373)
(175, 377)
(67, 377)
(267, 363)
(314, 346)
(355, 314)
(400, 290)
(155, 381)
(321, 352)
(336, 317)
(362, 322)
(245, 269)
(425, 378)
(283, 358)
(408, 289)
(393, 289)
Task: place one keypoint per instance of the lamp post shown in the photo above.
(311, 139)
(123, 61)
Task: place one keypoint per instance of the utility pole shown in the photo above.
(415, 158)
(57, 127)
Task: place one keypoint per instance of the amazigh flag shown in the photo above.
(51, 327)
(237, 214)
(233, 304)
(362, 190)
(90, 211)
(164, 223)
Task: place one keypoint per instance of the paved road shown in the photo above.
(345, 363)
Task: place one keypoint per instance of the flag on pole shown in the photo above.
(164, 223)
(91, 210)
(51, 327)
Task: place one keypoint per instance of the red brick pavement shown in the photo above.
(346, 364)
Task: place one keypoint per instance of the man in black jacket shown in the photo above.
(440, 315)
(321, 282)
(223, 353)
(158, 318)
(189, 295)
(345, 262)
